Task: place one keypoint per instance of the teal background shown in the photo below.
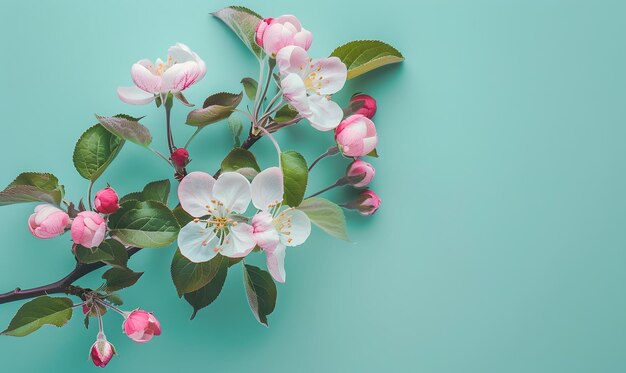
(500, 246)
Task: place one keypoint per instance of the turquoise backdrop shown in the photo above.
(501, 243)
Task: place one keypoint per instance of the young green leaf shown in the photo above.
(326, 215)
(295, 177)
(235, 126)
(285, 114)
(189, 276)
(250, 86)
(261, 292)
(157, 191)
(39, 312)
(239, 158)
(110, 252)
(243, 22)
(127, 128)
(215, 108)
(144, 224)
(120, 278)
(95, 150)
(33, 187)
(204, 296)
(361, 56)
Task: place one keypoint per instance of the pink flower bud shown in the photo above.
(106, 201)
(102, 351)
(356, 136)
(360, 171)
(369, 105)
(180, 157)
(273, 34)
(141, 326)
(48, 221)
(88, 229)
(367, 203)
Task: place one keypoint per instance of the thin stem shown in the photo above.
(273, 100)
(271, 65)
(196, 132)
(161, 156)
(268, 113)
(257, 102)
(246, 114)
(331, 151)
(275, 126)
(100, 326)
(89, 194)
(170, 138)
(107, 304)
(268, 134)
(338, 183)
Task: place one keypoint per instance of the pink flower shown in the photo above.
(88, 229)
(141, 326)
(48, 221)
(369, 105)
(180, 157)
(307, 85)
(273, 34)
(182, 69)
(356, 136)
(102, 351)
(367, 203)
(106, 201)
(362, 172)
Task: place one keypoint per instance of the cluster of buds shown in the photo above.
(356, 137)
(88, 228)
(138, 325)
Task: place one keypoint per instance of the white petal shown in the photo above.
(197, 243)
(293, 60)
(325, 114)
(267, 188)
(295, 227)
(239, 242)
(144, 78)
(181, 76)
(134, 95)
(334, 74)
(233, 190)
(180, 53)
(276, 263)
(294, 91)
(265, 233)
(195, 193)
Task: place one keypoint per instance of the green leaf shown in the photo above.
(373, 153)
(110, 251)
(120, 278)
(235, 126)
(243, 22)
(134, 196)
(204, 296)
(95, 150)
(33, 187)
(144, 224)
(326, 215)
(157, 191)
(261, 292)
(295, 177)
(181, 215)
(127, 128)
(39, 312)
(189, 276)
(285, 114)
(215, 108)
(361, 56)
(250, 86)
(115, 299)
(239, 158)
